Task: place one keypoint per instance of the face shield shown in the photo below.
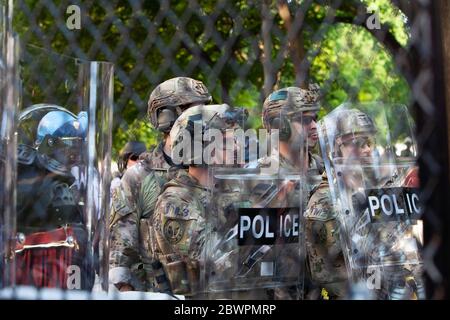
(254, 228)
(210, 136)
(61, 137)
(62, 125)
(373, 193)
(231, 153)
(30, 119)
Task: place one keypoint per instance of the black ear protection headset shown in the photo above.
(283, 126)
(166, 118)
(190, 128)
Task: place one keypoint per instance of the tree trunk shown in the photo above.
(266, 26)
(296, 46)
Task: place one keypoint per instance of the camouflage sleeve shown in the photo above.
(124, 227)
(326, 262)
(180, 239)
(177, 220)
(150, 191)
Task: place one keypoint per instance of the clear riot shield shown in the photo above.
(63, 174)
(374, 189)
(254, 246)
(9, 100)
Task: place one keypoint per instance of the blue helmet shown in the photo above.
(53, 135)
(62, 124)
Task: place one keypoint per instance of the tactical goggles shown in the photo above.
(359, 142)
(305, 119)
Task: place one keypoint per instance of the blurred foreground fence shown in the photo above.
(357, 50)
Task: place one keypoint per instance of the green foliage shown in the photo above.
(147, 48)
(138, 130)
(353, 66)
(392, 16)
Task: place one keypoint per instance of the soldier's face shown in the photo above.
(307, 123)
(131, 163)
(357, 147)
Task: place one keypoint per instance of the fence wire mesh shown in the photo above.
(356, 50)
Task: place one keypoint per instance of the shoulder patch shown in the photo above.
(173, 231)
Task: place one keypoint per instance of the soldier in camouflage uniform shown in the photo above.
(133, 204)
(327, 264)
(344, 236)
(293, 111)
(178, 233)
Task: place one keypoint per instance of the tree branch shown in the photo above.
(295, 38)
(266, 57)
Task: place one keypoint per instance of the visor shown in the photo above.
(62, 125)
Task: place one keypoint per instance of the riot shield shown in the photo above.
(63, 172)
(254, 241)
(374, 192)
(9, 100)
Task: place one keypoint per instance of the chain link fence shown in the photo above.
(356, 50)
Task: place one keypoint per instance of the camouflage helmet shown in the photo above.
(168, 100)
(354, 122)
(289, 101)
(203, 118)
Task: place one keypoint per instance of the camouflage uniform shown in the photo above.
(279, 111)
(134, 201)
(325, 257)
(133, 204)
(179, 223)
(178, 237)
(324, 246)
(327, 260)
